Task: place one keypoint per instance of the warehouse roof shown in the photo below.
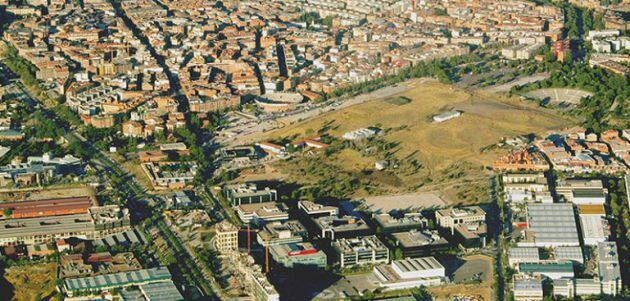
(118, 279)
(553, 224)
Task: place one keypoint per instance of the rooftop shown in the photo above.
(416, 238)
(358, 244)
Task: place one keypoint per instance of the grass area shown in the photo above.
(33, 282)
(446, 157)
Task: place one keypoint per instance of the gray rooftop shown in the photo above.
(553, 223)
(118, 279)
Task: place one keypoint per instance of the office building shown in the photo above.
(333, 227)
(300, 254)
(262, 213)
(360, 250)
(315, 210)
(418, 243)
(389, 223)
(248, 193)
(278, 233)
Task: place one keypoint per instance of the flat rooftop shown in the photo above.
(341, 224)
(358, 244)
(553, 224)
(462, 212)
(408, 220)
(417, 264)
(118, 279)
(411, 239)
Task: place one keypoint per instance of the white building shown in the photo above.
(593, 231)
(409, 273)
(446, 116)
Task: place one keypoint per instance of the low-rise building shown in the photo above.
(563, 288)
(299, 254)
(551, 270)
(315, 210)
(262, 213)
(418, 243)
(100, 283)
(279, 233)
(519, 255)
(360, 250)
(409, 273)
(569, 253)
(528, 290)
(97, 223)
(609, 268)
(389, 223)
(333, 227)
(550, 225)
(248, 193)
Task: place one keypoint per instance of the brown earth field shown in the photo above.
(452, 153)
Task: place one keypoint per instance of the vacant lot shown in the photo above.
(37, 193)
(476, 268)
(451, 154)
(387, 203)
(32, 282)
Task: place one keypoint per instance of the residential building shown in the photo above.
(226, 237)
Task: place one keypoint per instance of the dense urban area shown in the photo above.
(460, 150)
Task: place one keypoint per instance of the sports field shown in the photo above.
(456, 144)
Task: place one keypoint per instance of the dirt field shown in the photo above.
(486, 119)
(36, 193)
(388, 203)
(32, 282)
(476, 264)
(441, 148)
